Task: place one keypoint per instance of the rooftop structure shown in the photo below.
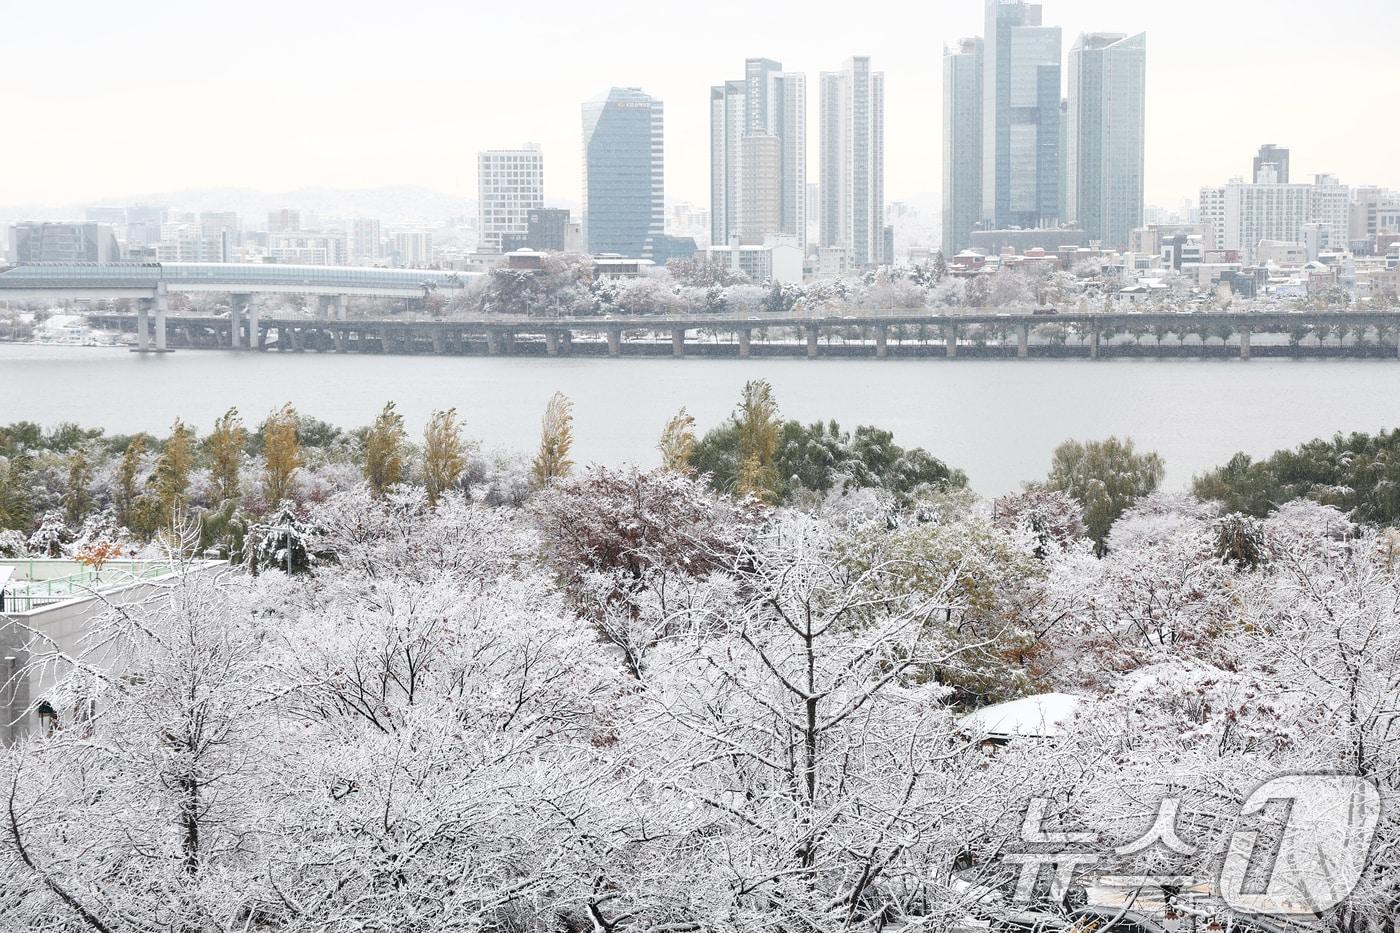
(46, 611)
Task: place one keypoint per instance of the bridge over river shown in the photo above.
(881, 334)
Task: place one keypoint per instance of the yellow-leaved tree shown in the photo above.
(556, 440)
(384, 450)
(444, 455)
(281, 455)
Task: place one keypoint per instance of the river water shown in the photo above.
(998, 420)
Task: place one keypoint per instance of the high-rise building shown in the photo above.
(62, 242)
(1021, 159)
(1104, 138)
(1329, 206)
(510, 184)
(299, 247)
(547, 229)
(366, 240)
(283, 221)
(1269, 154)
(853, 161)
(962, 143)
(760, 199)
(767, 103)
(413, 249)
(1212, 214)
(624, 208)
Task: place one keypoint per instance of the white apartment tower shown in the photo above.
(853, 162)
(510, 184)
(758, 149)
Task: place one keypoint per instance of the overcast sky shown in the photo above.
(107, 98)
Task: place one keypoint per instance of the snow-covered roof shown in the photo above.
(1040, 716)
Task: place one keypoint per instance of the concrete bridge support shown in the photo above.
(339, 336)
(678, 342)
(439, 342)
(882, 342)
(745, 342)
(551, 342)
(493, 343)
(342, 303)
(143, 324)
(386, 341)
(298, 339)
(1023, 341)
(614, 341)
(162, 305)
(235, 321)
(255, 340)
(812, 335)
(1244, 343)
(951, 333)
(1094, 344)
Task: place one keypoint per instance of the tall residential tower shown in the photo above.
(758, 155)
(853, 161)
(1104, 139)
(962, 143)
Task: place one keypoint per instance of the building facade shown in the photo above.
(624, 209)
(366, 241)
(1104, 138)
(547, 229)
(962, 143)
(510, 184)
(62, 242)
(852, 161)
(1021, 159)
(1276, 156)
(768, 105)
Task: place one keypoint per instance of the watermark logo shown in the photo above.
(1307, 850)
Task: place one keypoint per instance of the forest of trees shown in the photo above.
(445, 693)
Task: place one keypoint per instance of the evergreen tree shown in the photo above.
(556, 440)
(281, 455)
(444, 456)
(384, 450)
(677, 444)
(225, 447)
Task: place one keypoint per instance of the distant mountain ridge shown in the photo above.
(391, 204)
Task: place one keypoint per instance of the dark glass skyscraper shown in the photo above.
(623, 176)
(1021, 158)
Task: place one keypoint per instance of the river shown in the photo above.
(998, 420)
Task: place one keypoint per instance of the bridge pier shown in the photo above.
(439, 344)
(162, 303)
(614, 341)
(339, 336)
(551, 342)
(678, 342)
(951, 341)
(298, 339)
(745, 342)
(1244, 343)
(812, 334)
(255, 338)
(882, 342)
(240, 308)
(386, 341)
(1023, 341)
(493, 343)
(143, 324)
(342, 303)
(1094, 343)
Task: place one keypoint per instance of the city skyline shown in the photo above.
(430, 121)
